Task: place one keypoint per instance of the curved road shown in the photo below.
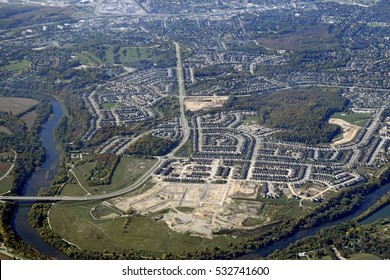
(182, 94)
(145, 176)
(133, 186)
(12, 166)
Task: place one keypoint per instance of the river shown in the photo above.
(49, 168)
(380, 214)
(39, 179)
(283, 243)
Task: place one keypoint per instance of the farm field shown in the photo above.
(29, 118)
(16, 105)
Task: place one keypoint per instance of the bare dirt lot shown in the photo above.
(349, 131)
(16, 105)
(200, 103)
(200, 209)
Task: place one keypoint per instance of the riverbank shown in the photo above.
(380, 204)
(40, 178)
(292, 233)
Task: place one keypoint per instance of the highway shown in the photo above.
(145, 176)
(133, 186)
(182, 95)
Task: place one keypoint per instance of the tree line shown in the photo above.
(302, 114)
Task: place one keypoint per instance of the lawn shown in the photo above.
(126, 173)
(108, 106)
(75, 224)
(354, 118)
(251, 120)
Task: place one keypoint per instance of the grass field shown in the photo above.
(108, 106)
(75, 224)
(281, 208)
(17, 65)
(6, 184)
(127, 172)
(16, 105)
(89, 59)
(128, 56)
(354, 118)
(251, 120)
(363, 256)
(4, 166)
(252, 222)
(72, 189)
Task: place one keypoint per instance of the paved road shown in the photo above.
(182, 94)
(145, 176)
(12, 166)
(133, 186)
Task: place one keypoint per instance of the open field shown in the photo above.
(16, 105)
(4, 167)
(128, 56)
(281, 208)
(186, 150)
(72, 188)
(349, 131)
(89, 59)
(363, 256)
(196, 104)
(6, 184)
(251, 120)
(76, 225)
(108, 106)
(353, 118)
(29, 118)
(127, 172)
(18, 65)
